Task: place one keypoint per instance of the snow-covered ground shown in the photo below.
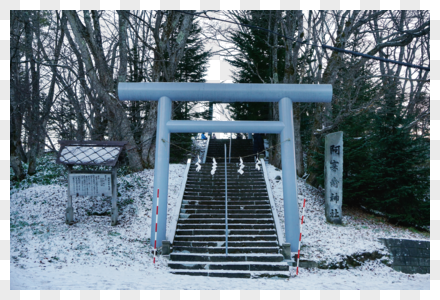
(323, 241)
(91, 254)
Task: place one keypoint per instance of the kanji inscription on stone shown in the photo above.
(334, 213)
(334, 152)
(90, 184)
(334, 165)
(334, 182)
(335, 149)
(334, 197)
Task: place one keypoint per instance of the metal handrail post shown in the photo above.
(206, 149)
(226, 204)
(230, 142)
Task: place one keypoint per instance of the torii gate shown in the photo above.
(284, 94)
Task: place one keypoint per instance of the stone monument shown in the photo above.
(333, 177)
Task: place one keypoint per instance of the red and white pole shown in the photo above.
(300, 234)
(155, 232)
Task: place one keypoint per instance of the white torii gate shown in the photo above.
(284, 94)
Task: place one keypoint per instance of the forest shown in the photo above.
(65, 67)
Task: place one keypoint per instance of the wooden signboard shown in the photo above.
(90, 184)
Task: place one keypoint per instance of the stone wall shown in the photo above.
(409, 256)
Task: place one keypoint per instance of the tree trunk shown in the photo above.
(299, 154)
(33, 104)
(86, 36)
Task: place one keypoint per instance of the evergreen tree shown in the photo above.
(192, 68)
(386, 164)
(256, 45)
(398, 172)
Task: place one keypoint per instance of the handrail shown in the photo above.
(280, 234)
(206, 150)
(226, 205)
(179, 203)
(230, 142)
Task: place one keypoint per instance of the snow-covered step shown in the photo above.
(233, 274)
(230, 198)
(230, 231)
(232, 257)
(222, 237)
(219, 215)
(217, 188)
(240, 266)
(223, 226)
(177, 249)
(251, 193)
(235, 187)
(222, 243)
(230, 211)
(230, 221)
(230, 207)
(222, 202)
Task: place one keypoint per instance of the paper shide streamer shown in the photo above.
(240, 170)
(198, 163)
(257, 164)
(214, 166)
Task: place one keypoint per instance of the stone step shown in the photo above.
(231, 232)
(222, 210)
(222, 202)
(256, 266)
(223, 226)
(232, 216)
(219, 238)
(223, 258)
(222, 193)
(213, 180)
(214, 186)
(223, 243)
(235, 188)
(222, 206)
(231, 199)
(208, 183)
(233, 274)
(231, 196)
(217, 203)
(220, 180)
(230, 221)
(206, 171)
(218, 250)
(221, 166)
(217, 191)
(233, 179)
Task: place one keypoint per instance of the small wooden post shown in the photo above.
(114, 197)
(69, 209)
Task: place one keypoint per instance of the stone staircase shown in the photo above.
(199, 244)
(238, 148)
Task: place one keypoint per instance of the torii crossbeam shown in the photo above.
(284, 94)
